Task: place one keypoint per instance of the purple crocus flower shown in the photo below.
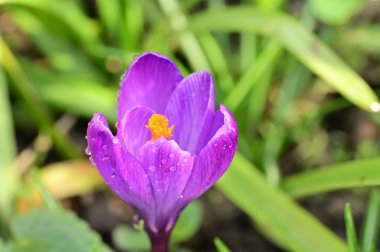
(171, 144)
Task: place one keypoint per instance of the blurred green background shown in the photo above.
(301, 78)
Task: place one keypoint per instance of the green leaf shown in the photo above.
(345, 175)
(220, 245)
(350, 229)
(130, 239)
(335, 12)
(188, 223)
(279, 217)
(56, 231)
(312, 52)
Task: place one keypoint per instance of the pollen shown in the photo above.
(158, 125)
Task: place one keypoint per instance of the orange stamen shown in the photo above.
(158, 125)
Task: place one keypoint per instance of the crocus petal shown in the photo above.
(100, 145)
(215, 157)
(190, 110)
(168, 168)
(149, 81)
(134, 188)
(120, 170)
(132, 131)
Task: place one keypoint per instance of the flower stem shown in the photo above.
(159, 241)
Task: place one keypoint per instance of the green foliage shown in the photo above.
(335, 12)
(347, 175)
(56, 231)
(274, 212)
(187, 225)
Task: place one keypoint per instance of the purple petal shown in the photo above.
(120, 170)
(132, 131)
(214, 159)
(101, 147)
(149, 81)
(168, 168)
(190, 110)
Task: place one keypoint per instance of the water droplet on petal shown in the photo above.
(185, 160)
(105, 158)
(115, 140)
(152, 168)
(163, 161)
(105, 147)
(92, 161)
(172, 168)
(113, 176)
(87, 151)
(171, 155)
(215, 145)
(224, 147)
(230, 146)
(180, 196)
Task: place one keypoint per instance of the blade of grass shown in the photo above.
(8, 178)
(340, 176)
(350, 229)
(188, 41)
(7, 136)
(292, 35)
(371, 225)
(266, 59)
(134, 23)
(280, 217)
(217, 61)
(32, 100)
(220, 245)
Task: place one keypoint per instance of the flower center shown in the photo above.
(158, 125)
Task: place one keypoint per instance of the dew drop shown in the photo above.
(92, 161)
(224, 147)
(115, 140)
(105, 147)
(105, 158)
(185, 160)
(180, 196)
(375, 106)
(172, 168)
(86, 137)
(215, 145)
(171, 155)
(230, 146)
(113, 176)
(163, 161)
(152, 168)
(87, 151)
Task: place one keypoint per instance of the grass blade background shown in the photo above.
(274, 212)
(346, 175)
(299, 41)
